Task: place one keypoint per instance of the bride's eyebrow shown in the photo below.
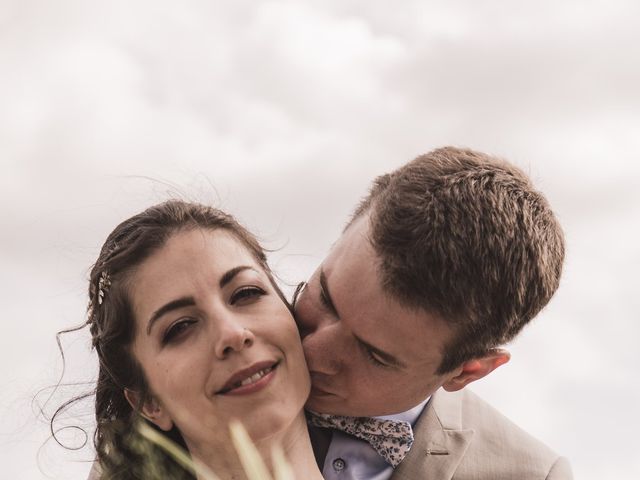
(190, 301)
(230, 274)
(168, 307)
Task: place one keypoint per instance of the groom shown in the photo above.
(445, 261)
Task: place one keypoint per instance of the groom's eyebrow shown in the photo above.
(325, 295)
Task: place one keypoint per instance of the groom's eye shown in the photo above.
(372, 358)
(378, 357)
(324, 300)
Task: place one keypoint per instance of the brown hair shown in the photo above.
(122, 452)
(464, 235)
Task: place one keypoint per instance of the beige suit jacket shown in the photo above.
(461, 437)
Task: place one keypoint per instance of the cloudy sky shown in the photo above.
(282, 112)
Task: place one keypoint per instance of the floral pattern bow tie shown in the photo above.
(392, 439)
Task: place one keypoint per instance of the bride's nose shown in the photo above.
(232, 337)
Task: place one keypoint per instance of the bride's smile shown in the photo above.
(250, 380)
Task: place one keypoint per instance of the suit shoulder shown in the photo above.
(496, 431)
(499, 445)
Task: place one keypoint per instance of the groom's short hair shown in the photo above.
(465, 236)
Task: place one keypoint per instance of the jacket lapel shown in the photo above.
(440, 441)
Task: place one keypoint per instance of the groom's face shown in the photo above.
(367, 354)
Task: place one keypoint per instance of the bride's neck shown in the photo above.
(295, 443)
(297, 450)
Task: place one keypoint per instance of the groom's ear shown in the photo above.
(150, 409)
(475, 369)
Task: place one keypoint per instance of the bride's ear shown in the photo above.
(151, 410)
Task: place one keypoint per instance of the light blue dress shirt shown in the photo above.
(349, 458)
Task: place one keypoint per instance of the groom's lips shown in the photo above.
(317, 379)
(317, 392)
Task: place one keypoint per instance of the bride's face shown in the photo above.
(215, 341)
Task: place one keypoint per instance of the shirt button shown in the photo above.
(339, 464)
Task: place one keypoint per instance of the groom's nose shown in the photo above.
(323, 350)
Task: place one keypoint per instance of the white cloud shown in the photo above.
(282, 112)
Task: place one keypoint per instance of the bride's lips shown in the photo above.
(249, 380)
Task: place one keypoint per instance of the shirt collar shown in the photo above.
(410, 415)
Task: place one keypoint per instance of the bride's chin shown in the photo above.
(269, 419)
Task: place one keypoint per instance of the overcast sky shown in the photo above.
(282, 112)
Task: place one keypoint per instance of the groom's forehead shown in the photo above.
(350, 273)
(354, 243)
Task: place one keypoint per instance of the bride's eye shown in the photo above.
(177, 330)
(246, 294)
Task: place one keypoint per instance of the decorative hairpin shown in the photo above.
(103, 286)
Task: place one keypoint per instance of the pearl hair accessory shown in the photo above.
(103, 286)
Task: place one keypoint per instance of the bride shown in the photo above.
(192, 332)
